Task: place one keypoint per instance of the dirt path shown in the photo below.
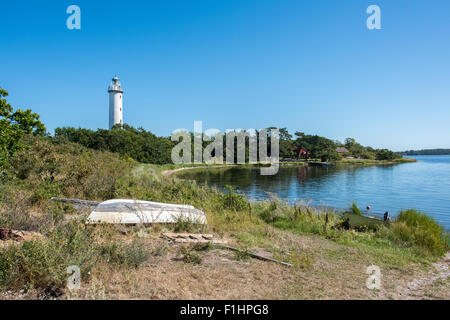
(435, 284)
(170, 172)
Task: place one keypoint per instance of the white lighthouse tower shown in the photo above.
(115, 103)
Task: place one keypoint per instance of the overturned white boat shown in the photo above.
(120, 211)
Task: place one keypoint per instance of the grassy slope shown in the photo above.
(329, 265)
(328, 262)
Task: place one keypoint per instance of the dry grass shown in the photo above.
(328, 262)
(322, 270)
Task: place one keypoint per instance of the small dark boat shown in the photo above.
(360, 221)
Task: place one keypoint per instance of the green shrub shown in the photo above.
(45, 191)
(202, 246)
(385, 154)
(235, 201)
(160, 250)
(13, 126)
(42, 263)
(17, 210)
(355, 209)
(242, 255)
(190, 256)
(184, 224)
(141, 145)
(129, 255)
(416, 228)
(301, 218)
(268, 213)
(52, 168)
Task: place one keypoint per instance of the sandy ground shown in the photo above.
(324, 270)
(170, 172)
(434, 284)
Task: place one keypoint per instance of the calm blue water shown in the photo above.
(424, 185)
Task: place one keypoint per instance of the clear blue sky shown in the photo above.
(310, 66)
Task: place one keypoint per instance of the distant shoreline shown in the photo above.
(426, 152)
(431, 155)
(367, 162)
(246, 165)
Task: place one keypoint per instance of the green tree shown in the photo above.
(385, 154)
(286, 144)
(141, 145)
(356, 149)
(317, 145)
(349, 143)
(13, 126)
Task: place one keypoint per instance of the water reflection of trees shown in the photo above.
(294, 183)
(385, 188)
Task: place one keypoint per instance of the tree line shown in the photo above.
(427, 152)
(144, 146)
(139, 144)
(13, 126)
